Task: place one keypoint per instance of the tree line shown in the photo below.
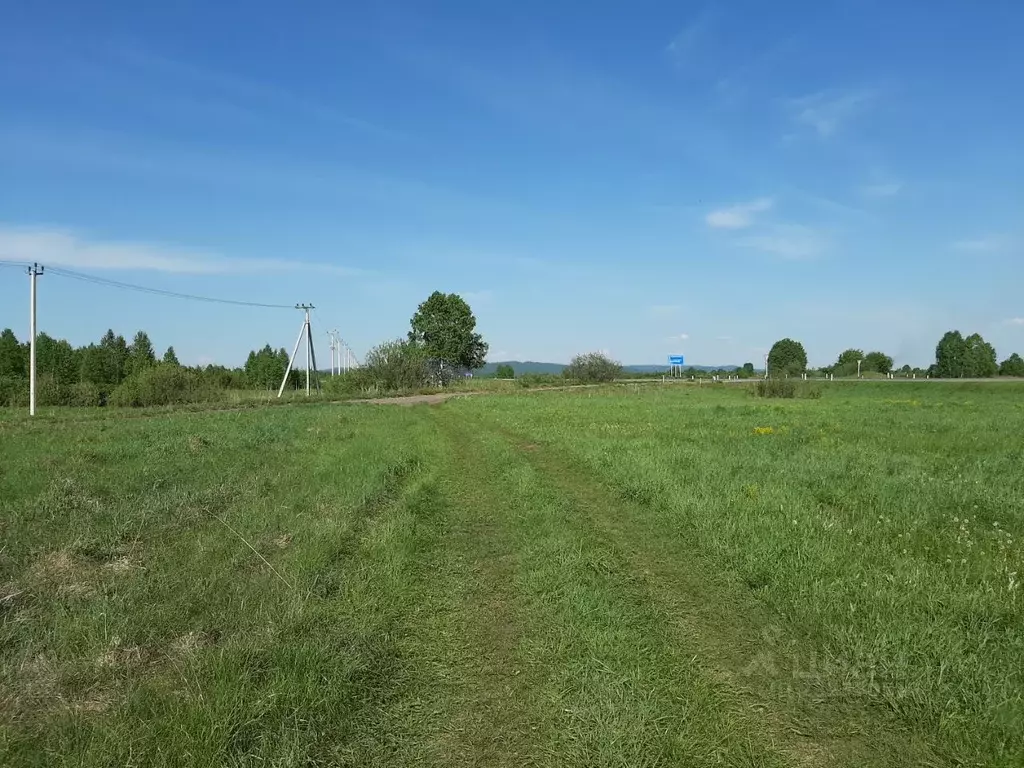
(442, 344)
(956, 357)
(117, 372)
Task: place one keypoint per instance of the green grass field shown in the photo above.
(631, 576)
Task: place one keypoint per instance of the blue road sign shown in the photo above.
(675, 359)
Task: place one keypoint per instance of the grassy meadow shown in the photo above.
(638, 575)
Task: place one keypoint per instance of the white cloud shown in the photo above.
(827, 111)
(60, 248)
(987, 243)
(738, 216)
(885, 189)
(1015, 321)
(790, 241)
(678, 337)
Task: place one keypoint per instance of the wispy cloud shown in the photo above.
(723, 338)
(665, 310)
(688, 41)
(984, 244)
(829, 206)
(885, 189)
(738, 216)
(188, 86)
(790, 241)
(478, 297)
(1014, 321)
(61, 248)
(678, 337)
(827, 111)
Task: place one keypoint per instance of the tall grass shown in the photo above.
(611, 576)
(878, 529)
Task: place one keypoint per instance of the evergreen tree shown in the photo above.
(115, 361)
(140, 354)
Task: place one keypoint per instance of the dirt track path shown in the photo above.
(434, 399)
(440, 397)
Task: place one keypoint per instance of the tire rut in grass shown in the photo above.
(396, 479)
(491, 720)
(743, 648)
(609, 684)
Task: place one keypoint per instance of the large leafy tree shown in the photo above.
(846, 363)
(170, 358)
(57, 358)
(93, 365)
(950, 356)
(444, 326)
(787, 357)
(1012, 366)
(958, 357)
(850, 356)
(13, 356)
(980, 357)
(878, 362)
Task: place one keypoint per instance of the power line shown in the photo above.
(161, 292)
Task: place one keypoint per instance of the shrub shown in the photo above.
(49, 391)
(160, 385)
(505, 371)
(528, 380)
(775, 388)
(393, 366)
(592, 368)
(84, 394)
(349, 383)
(13, 391)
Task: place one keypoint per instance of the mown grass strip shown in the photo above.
(619, 688)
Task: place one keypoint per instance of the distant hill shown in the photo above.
(523, 366)
(530, 366)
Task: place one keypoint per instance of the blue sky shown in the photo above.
(644, 178)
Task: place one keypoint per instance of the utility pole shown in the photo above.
(336, 344)
(330, 334)
(766, 366)
(33, 272)
(307, 333)
(858, 369)
(340, 347)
